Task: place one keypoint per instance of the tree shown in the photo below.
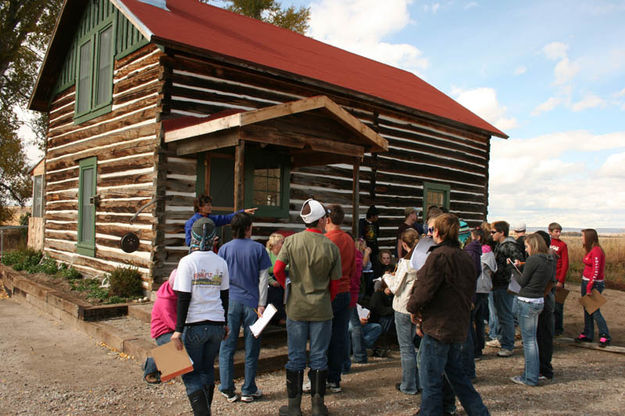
(271, 11)
(25, 28)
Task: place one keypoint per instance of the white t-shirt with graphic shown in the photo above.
(204, 274)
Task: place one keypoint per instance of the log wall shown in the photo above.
(126, 144)
(420, 150)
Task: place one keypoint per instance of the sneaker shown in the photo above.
(230, 395)
(247, 398)
(582, 338)
(604, 341)
(334, 387)
(519, 380)
(306, 386)
(504, 353)
(542, 380)
(493, 343)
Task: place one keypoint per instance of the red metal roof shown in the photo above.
(201, 26)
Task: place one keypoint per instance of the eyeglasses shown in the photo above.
(430, 230)
(494, 232)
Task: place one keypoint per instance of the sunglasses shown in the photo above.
(494, 232)
(430, 230)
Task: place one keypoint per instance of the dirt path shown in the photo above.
(49, 368)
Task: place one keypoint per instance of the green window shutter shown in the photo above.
(86, 206)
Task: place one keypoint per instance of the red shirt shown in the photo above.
(348, 257)
(562, 252)
(594, 264)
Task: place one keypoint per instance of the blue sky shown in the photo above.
(551, 74)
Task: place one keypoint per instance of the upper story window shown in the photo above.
(94, 86)
(435, 194)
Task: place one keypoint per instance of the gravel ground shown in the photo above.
(49, 368)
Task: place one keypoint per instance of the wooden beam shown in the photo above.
(308, 158)
(207, 127)
(239, 176)
(355, 195)
(219, 140)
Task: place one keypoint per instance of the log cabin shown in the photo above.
(153, 102)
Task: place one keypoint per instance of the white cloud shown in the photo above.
(366, 30)
(431, 7)
(548, 105)
(565, 71)
(555, 50)
(483, 102)
(590, 101)
(471, 5)
(520, 70)
(621, 93)
(613, 166)
(558, 177)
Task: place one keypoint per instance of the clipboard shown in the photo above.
(260, 324)
(592, 301)
(171, 362)
(561, 294)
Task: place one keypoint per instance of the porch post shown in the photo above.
(355, 196)
(239, 176)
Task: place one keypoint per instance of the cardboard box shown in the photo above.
(592, 301)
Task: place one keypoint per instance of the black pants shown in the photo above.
(544, 336)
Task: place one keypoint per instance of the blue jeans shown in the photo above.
(149, 367)
(298, 334)
(436, 360)
(338, 349)
(406, 332)
(202, 344)
(371, 333)
(357, 337)
(493, 327)
(239, 315)
(589, 320)
(503, 307)
(527, 314)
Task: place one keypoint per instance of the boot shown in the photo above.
(294, 381)
(199, 403)
(318, 391)
(209, 389)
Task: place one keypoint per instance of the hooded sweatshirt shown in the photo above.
(164, 311)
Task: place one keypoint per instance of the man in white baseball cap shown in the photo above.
(315, 265)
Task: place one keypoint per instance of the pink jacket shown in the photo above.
(164, 311)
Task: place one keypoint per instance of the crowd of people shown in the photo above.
(444, 295)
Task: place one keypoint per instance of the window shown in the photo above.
(38, 196)
(95, 74)
(86, 207)
(267, 176)
(435, 194)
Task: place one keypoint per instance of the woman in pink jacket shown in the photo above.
(593, 278)
(163, 324)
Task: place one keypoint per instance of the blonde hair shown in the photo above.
(536, 244)
(274, 238)
(410, 237)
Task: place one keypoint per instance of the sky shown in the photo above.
(550, 74)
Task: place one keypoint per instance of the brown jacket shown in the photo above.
(442, 293)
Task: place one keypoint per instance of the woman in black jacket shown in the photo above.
(536, 275)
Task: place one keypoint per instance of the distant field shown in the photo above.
(614, 247)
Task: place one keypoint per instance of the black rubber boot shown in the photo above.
(318, 391)
(199, 404)
(294, 381)
(209, 389)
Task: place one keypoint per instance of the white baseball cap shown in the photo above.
(317, 211)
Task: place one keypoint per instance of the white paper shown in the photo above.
(420, 253)
(363, 313)
(260, 324)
